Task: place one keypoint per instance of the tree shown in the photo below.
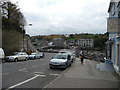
(12, 18)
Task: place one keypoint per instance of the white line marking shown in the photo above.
(22, 69)
(41, 75)
(34, 66)
(23, 82)
(38, 72)
(54, 74)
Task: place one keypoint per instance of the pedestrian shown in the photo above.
(81, 58)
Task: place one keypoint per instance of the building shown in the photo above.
(84, 43)
(58, 42)
(113, 28)
(39, 43)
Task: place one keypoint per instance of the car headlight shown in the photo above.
(50, 62)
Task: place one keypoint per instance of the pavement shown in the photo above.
(85, 76)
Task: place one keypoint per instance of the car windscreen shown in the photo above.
(60, 57)
(39, 54)
(15, 53)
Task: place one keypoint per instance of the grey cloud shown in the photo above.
(91, 18)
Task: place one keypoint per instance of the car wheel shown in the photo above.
(66, 66)
(51, 67)
(15, 60)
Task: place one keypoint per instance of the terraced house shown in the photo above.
(113, 28)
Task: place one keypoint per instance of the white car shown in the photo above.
(32, 56)
(17, 56)
(61, 60)
(2, 55)
(40, 55)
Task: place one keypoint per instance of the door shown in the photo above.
(20, 56)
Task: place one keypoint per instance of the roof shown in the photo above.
(110, 5)
(118, 3)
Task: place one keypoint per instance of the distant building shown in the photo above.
(40, 43)
(113, 28)
(71, 42)
(85, 43)
(58, 42)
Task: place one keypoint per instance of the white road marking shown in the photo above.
(54, 74)
(23, 69)
(34, 66)
(23, 82)
(38, 72)
(41, 75)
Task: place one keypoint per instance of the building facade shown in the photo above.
(113, 28)
(85, 43)
(58, 42)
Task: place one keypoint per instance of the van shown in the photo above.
(2, 54)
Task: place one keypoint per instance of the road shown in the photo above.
(29, 74)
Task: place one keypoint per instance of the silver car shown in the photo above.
(17, 56)
(32, 56)
(40, 55)
(61, 60)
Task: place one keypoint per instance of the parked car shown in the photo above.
(2, 55)
(61, 60)
(17, 56)
(32, 56)
(40, 55)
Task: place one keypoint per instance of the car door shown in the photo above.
(23, 56)
(20, 56)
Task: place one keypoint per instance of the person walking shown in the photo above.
(82, 58)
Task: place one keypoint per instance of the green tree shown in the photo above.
(12, 18)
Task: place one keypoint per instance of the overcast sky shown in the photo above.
(64, 16)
